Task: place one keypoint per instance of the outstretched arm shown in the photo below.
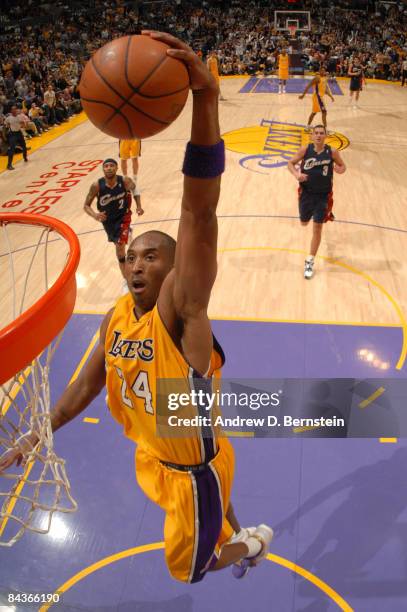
(87, 207)
(185, 293)
(86, 387)
(329, 92)
(73, 401)
(307, 88)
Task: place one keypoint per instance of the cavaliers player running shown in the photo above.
(318, 161)
(113, 193)
(159, 331)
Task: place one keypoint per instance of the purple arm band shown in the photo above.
(204, 162)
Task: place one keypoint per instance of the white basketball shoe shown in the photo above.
(309, 268)
(264, 535)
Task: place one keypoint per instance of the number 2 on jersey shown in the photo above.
(140, 388)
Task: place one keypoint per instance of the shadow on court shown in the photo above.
(347, 550)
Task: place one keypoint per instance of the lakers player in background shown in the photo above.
(161, 330)
(213, 66)
(283, 66)
(320, 88)
(317, 162)
(130, 150)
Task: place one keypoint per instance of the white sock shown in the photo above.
(238, 536)
(310, 258)
(254, 545)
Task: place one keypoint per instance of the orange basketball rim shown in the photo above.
(25, 338)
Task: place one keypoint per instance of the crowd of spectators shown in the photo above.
(378, 38)
(43, 47)
(248, 43)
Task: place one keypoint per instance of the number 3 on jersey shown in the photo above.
(140, 388)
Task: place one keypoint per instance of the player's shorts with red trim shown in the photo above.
(195, 504)
(317, 206)
(118, 230)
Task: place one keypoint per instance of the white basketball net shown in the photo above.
(32, 492)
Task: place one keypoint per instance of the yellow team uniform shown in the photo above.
(213, 68)
(318, 95)
(128, 149)
(194, 490)
(283, 63)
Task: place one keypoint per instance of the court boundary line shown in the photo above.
(154, 546)
(43, 139)
(168, 220)
(394, 303)
(367, 277)
(307, 75)
(101, 313)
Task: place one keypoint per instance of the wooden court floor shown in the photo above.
(338, 506)
(361, 271)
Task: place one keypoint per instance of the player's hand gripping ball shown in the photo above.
(131, 88)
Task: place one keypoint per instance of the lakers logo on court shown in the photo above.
(272, 143)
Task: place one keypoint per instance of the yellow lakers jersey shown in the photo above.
(213, 65)
(143, 366)
(320, 87)
(283, 62)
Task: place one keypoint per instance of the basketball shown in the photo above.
(131, 88)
